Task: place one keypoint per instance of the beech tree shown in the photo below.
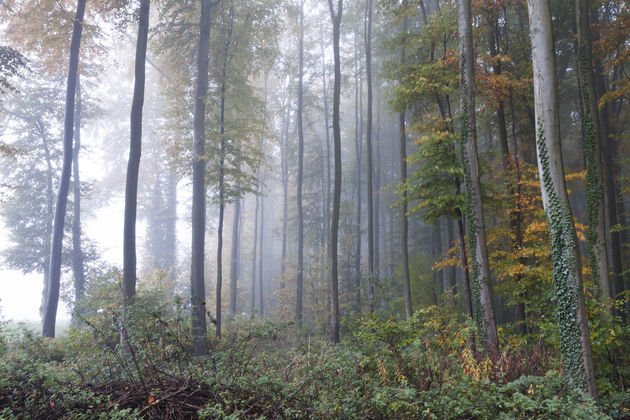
(336, 205)
(133, 168)
(575, 344)
(52, 298)
(481, 282)
(197, 276)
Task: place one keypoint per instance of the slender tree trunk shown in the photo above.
(404, 229)
(254, 254)
(235, 254)
(197, 278)
(575, 347)
(50, 202)
(285, 189)
(261, 260)
(300, 175)
(611, 189)
(462, 249)
(334, 225)
(358, 138)
(171, 229)
(77, 253)
(370, 193)
(221, 196)
(377, 199)
(327, 129)
(133, 166)
(481, 282)
(54, 271)
(439, 275)
(596, 234)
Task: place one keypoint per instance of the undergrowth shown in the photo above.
(384, 369)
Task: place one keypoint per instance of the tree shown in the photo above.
(131, 190)
(481, 283)
(52, 298)
(197, 276)
(404, 228)
(300, 174)
(596, 239)
(575, 346)
(334, 223)
(370, 193)
(77, 254)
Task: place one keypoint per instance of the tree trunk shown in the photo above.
(327, 130)
(235, 254)
(575, 347)
(596, 234)
(481, 283)
(54, 271)
(611, 189)
(261, 260)
(254, 254)
(404, 228)
(197, 277)
(221, 195)
(133, 166)
(300, 175)
(334, 225)
(50, 202)
(77, 253)
(370, 193)
(358, 138)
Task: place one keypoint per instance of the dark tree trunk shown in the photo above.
(334, 225)
(611, 189)
(462, 249)
(261, 260)
(197, 278)
(77, 253)
(327, 130)
(377, 199)
(358, 138)
(440, 278)
(54, 271)
(221, 196)
(404, 227)
(300, 175)
(133, 166)
(481, 281)
(370, 193)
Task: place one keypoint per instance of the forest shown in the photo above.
(352, 209)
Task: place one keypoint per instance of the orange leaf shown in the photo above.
(151, 400)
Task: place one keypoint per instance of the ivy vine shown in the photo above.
(563, 256)
(470, 216)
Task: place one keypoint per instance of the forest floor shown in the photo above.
(383, 369)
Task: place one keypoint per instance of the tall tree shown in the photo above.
(197, 275)
(402, 140)
(52, 298)
(596, 236)
(481, 282)
(575, 346)
(77, 252)
(334, 223)
(133, 167)
(370, 194)
(300, 174)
